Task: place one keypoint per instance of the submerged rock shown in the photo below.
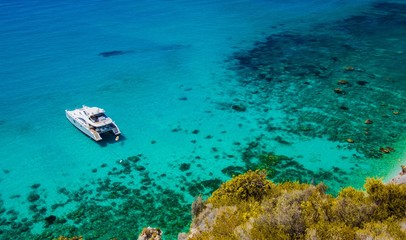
(32, 197)
(239, 108)
(184, 167)
(350, 140)
(149, 233)
(50, 219)
(339, 91)
(72, 238)
(342, 82)
(362, 83)
(401, 177)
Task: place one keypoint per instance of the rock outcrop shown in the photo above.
(149, 233)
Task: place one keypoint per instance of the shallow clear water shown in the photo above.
(202, 87)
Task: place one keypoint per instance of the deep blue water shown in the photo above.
(172, 93)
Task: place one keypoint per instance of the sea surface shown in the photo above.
(313, 91)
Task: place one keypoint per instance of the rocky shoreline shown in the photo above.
(401, 177)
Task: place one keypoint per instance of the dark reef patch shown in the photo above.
(233, 171)
(301, 72)
(283, 168)
(50, 219)
(238, 108)
(362, 83)
(33, 197)
(114, 53)
(35, 185)
(107, 208)
(184, 167)
(204, 187)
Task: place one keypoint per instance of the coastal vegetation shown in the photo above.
(249, 206)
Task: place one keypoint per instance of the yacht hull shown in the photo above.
(78, 119)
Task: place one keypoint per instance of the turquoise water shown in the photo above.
(201, 91)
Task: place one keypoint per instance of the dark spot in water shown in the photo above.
(33, 208)
(391, 7)
(362, 83)
(140, 168)
(195, 131)
(113, 53)
(35, 185)
(203, 187)
(173, 47)
(184, 167)
(56, 205)
(239, 108)
(233, 170)
(280, 140)
(344, 108)
(32, 197)
(335, 59)
(262, 76)
(50, 219)
(176, 129)
(63, 190)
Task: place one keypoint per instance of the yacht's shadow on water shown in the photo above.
(109, 138)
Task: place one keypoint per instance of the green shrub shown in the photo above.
(330, 230)
(251, 207)
(352, 207)
(317, 208)
(252, 185)
(390, 198)
(284, 213)
(389, 229)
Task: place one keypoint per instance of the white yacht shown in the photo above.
(92, 121)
